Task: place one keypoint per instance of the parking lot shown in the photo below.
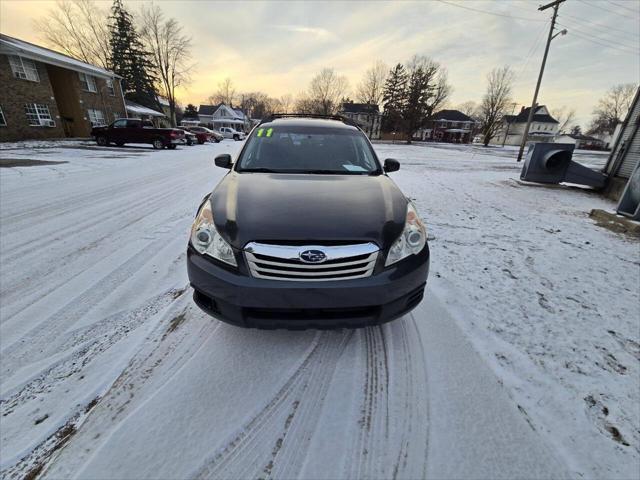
(520, 361)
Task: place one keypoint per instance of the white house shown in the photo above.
(135, 110)
(367, 115)
(624, 158)
(218, 116)
(543, 127)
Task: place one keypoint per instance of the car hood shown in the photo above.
(308, 209)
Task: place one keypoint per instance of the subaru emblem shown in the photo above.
(312, 256)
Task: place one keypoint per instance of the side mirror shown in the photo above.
(391, 165)
(223, 161)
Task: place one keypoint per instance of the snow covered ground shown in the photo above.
(523, 361)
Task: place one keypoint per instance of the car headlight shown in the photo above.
(206, 239)
(412, 239)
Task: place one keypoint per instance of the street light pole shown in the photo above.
(555, 4)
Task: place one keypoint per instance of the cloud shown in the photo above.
(277, 46)
(319, 33)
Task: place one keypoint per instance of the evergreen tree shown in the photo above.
(130, 60)
(394, 98)
(419, 92)
(191, 111)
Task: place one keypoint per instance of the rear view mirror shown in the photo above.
(391, 165)
(223, 161)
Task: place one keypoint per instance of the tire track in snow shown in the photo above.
(62, 234)
(285, 424)
(393, 424)
(22, 289)
(44, 334)
(163, 353)
(82, 347)
(69, 203)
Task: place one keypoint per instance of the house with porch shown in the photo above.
(450, 126)
(135, 110)
(221, 115)
(543, 127)
(46, 94)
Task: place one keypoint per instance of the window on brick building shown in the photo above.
(38, 115)
(24, 68)
(87, 82)
(3, 120)
(110, 88)
(96, 117)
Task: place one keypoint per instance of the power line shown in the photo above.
(608, 10)
(589, 23)
(555, 5)
(496, 14)
(602, 39)
(602, 43)
(609, 38)
(624, 6)
(531, 53)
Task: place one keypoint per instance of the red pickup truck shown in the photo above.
(129, 130)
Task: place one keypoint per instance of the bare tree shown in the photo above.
(226, 93)
(495, 102)
(612, 108)
(441, 92)
(470, 108)
(566, 118)
(171, 52)
(285, 103)
(305, 104)
(371, 88)
(259, 104)
(78, 28)
(326, 90)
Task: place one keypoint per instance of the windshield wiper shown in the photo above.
(331, 172)
(259, 170)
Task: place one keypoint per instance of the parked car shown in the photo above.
(307, 231)
(202, 133)
(231, 133)
(216, 137)
(190, 138)
(128, 130)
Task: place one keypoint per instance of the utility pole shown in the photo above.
(555, 4)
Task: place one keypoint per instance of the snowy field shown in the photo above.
(523, 361)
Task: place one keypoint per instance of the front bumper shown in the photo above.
(242, 300)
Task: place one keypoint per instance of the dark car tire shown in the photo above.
(171, 147)
(217, 140)
(102, 141)
(236, 137)
(200, 142)
(120, 144)
(158, 144)
(189, 142)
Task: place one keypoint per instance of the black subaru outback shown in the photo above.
(307, 231)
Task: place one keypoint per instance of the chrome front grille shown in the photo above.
(283, 262)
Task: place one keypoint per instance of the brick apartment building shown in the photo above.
(46, 94)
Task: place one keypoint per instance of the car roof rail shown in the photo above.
(339, 118)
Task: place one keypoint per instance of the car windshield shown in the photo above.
(296, 149)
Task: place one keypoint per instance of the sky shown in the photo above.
(277, 47)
